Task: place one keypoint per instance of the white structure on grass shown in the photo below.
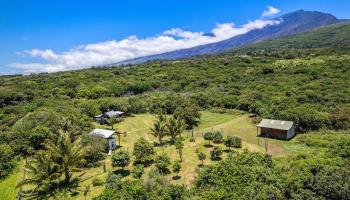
(107, 134)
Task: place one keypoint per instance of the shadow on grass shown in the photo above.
(165, 171)
(177, 177)
(228, 150)
(216, 159)
(122, 172)
(201, 165)
(208, 145)
(147, 163)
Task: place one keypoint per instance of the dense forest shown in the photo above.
(304, 78)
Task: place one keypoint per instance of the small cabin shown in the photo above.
(101, 118)
(107, 134)
(113, 113)
(276, 129)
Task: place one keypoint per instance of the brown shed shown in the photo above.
(276, 128)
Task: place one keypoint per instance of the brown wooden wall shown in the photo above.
(276, 133)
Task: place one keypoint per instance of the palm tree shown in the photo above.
(181, 125)
(40, 172)
(175, 127)
(159, 128)
(171, 127)
(68, 155)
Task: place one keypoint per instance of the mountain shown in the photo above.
(327, 40)
(291, 23)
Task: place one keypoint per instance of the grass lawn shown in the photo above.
(8, 190)
(139, 126)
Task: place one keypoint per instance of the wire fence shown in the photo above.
(260, 141)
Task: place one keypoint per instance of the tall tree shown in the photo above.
(175, 127)
(40, 172)
(159, 128)
(67, 154)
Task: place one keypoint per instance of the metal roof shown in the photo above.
(275, 124)
(113, 113)
(102, 133)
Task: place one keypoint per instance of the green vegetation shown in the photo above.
(47, 117)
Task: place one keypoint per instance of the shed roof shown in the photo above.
(113, 113)
(102, 133)
(275, 124)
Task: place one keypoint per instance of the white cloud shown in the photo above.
(270, 11)
(113, 51)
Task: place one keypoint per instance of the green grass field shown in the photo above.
(139, 126)
(8, 188)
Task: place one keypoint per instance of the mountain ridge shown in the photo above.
(292, 23)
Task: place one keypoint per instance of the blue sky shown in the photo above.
(39, 35)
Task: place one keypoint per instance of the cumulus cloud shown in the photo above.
(270, 11)
(113, 51)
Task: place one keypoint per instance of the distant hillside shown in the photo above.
(292, 23)
(329, 39)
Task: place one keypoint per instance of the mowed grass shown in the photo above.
(137, 126)
(8, 190)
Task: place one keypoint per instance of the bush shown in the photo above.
(120, 158)
(162, 162)
(7, 163)
(113, 180)
(143, 151)
(192, 139)
(96, 152)
(208, 136)
(217, 137)
(176, 167)
(138, 171)
(38, 136)
(97, 182)
(244, 176)
(215, 153)
(237, 142)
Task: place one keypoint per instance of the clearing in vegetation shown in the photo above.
(138, 126)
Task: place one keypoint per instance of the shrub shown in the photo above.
(201, 156)
(138, 171)
(192, 139)
(237, 142)
(113, 180)
(7, 162)
(217, 137)
(97, 182)
(96, 152)
(215, 153)
(208, 136)
(176, 167)
(120, 158)
(143, 151)
(162, 162)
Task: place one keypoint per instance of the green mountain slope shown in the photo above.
(326, 40)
